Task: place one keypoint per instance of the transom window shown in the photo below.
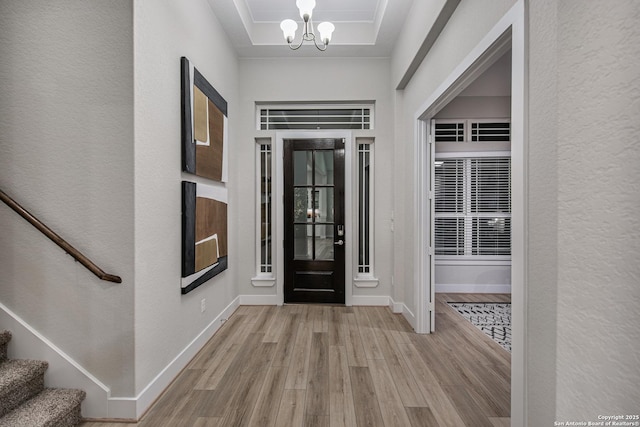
(315, 117)
(473, 130)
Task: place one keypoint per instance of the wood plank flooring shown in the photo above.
(310, 365)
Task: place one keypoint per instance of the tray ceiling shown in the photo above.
(363, 27)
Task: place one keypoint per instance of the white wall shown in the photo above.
(587, 91)
(310, 80)
(416, 28)
(476, 107)
(166, 321)
(66, 154)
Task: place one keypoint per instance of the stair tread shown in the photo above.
(15, 371)
(44, 408)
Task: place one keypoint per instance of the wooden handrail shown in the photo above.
(76, 254)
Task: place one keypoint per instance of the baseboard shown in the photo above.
(473, 289)
(63, 372)
(396, 307)
(259, 300)
(374, 300)
(401, 308)
(410, 317)
(121, 407)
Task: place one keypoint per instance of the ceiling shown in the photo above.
(364, 28)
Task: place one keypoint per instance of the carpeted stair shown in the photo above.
(25, 402)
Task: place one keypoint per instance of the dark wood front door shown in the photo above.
(314, 246)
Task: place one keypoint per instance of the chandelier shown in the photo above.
(289, 27)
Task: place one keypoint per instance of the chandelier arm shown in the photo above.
(319, 48)
(296, 47)
(311, 36)
(308, 35)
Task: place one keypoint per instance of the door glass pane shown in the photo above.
(302, 164)
(302, 205)
(324, 205)
(324, 242)
(302, 241)
(324, 168)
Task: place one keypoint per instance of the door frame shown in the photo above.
(509, 32)
(278, 205)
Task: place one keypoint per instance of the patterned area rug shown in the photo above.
(494, 319)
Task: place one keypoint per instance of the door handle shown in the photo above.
(339, 242)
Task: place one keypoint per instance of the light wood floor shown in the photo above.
(306, 365)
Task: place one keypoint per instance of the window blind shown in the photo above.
(473, 206)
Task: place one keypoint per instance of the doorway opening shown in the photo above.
(507, 35)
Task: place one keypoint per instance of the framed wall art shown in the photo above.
(204, 233)
(204, 126)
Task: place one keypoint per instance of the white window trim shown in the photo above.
(472, 154)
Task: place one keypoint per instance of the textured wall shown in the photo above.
(598, 203)
(66, 138)
(584, 170)
(167, 321)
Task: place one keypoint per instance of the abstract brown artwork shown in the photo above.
(204, 126)
(204, 233)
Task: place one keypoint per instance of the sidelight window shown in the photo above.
(364, 208)
(264, 209)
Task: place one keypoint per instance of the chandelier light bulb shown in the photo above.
(289, 27)
(306, 8)
(326, 29)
